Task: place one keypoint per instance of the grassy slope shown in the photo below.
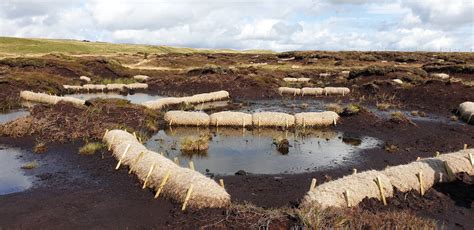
(23, 46)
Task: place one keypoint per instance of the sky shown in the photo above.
(279, 25)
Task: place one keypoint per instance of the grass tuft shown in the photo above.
(195, 144)
(334, 107)
(30, 165)
(40, 147)
(91, 148)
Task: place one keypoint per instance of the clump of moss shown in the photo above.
(391, 148)
(352, 109)
(91, 148)
(383, 106)
(282, 145)
(40, 147)
(30, 165)
(400, 118)
(194, 144)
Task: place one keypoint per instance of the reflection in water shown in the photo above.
(133, 98)
(12, 178)
(254, 151)
(6, 117)
(139, 98)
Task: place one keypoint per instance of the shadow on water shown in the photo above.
(255, 151)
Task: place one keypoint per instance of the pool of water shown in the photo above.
(6, 117)
(12, 176)
(135, 98)
(287, 105)
(231, 150)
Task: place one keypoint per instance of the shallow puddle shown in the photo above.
(231, 150)
(12, 176)
(135, 98)
(6, 117)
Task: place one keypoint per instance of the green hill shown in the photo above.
(23, 46)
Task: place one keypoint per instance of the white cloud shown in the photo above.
(249, 24)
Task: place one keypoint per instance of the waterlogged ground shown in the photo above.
(231, 150)
(135, 98)
(12, 176)
(6, 117)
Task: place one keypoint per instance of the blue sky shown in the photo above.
(425, 25)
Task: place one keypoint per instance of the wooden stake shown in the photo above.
(148, 175)
(217, 122)
(418, 158)
(162, 154)
(465, 146)
(258, 121)
(111, 142)
(354, 171)
(135, 161)
(449, 172)
(471, 159)
(313, 184)
(176, 160)
(188, 195)
(221, 182)
(105, 134)
(437, 154)
(334, 121)
(420, 180)
(162, 184)
(121, 158)
(346, 196)
(286, 120)
(304, 123)
(382, 194)
(191, 165)
(135, 135)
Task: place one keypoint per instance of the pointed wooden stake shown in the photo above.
(354, 171)
(191, 165)
(449, 172)
(346, 196)
(105, 134)
(437, 154)
(121, 158)
(381, 189)
(221, 183)
(420, 180)
(188, 195)
(465, 146)
(418, 158)
(313, 184)
(148, 175)
(162, 184)
(176, 160)
(471, 159)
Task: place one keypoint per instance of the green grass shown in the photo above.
(91, 148)
(22, 46)
(30, 165)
